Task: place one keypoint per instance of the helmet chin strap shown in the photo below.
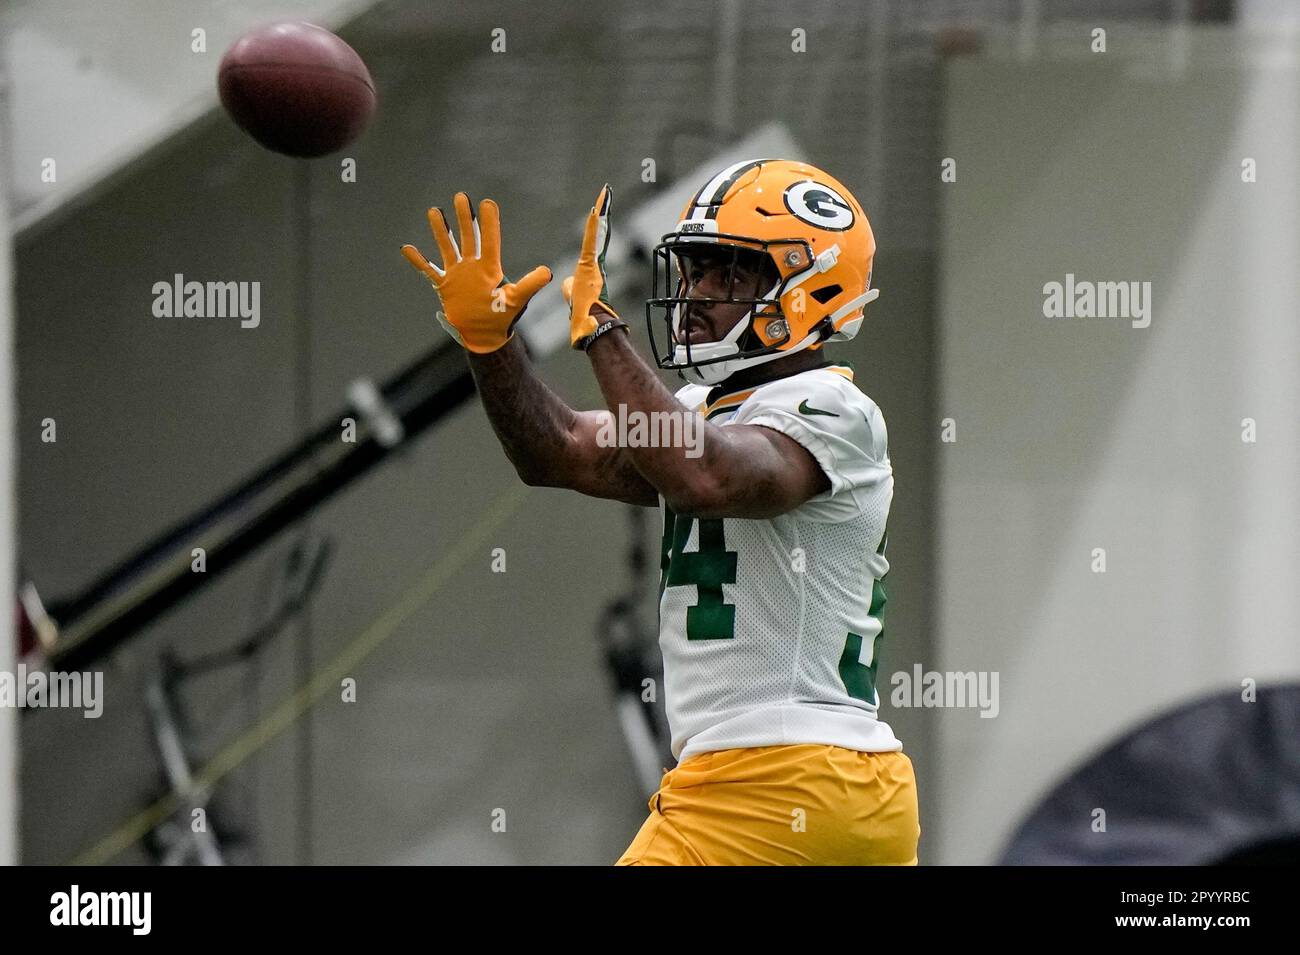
(729, 344)
(851, 328)
(719, 371)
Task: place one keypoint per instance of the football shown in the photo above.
(296, 88)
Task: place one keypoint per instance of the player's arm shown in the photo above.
(547, 441)
(742, 471)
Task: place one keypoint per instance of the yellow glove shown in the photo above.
(585, 289)
(479, 308)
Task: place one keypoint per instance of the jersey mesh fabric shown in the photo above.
(803, 584)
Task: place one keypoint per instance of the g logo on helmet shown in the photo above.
(819, 205)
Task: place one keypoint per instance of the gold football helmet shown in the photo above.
(813, 243)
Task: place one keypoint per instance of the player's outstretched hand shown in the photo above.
(585, 290)
(479, 308)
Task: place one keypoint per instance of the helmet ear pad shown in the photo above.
(768, 325)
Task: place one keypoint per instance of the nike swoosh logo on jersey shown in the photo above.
(805, 409)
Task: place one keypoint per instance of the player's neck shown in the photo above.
(770, 371)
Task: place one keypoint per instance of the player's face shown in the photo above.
(721, 272)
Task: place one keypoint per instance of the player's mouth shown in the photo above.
(695, 330)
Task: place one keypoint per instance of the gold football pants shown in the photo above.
(805, 804)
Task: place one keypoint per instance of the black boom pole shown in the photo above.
(156, 577)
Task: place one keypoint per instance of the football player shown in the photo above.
(774, 530)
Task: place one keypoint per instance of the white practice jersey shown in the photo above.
(771, 629)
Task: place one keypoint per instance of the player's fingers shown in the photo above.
(446, 247)
(566, 288)
(489, 226)
(588, 251)
(465, 222)
(595, 234)
(422, 264)
(532, 283)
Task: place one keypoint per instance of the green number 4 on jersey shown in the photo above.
(712, 618)
(708, 568)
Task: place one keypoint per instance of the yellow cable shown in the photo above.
(290, 710)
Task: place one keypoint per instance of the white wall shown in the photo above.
(1074, 434)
